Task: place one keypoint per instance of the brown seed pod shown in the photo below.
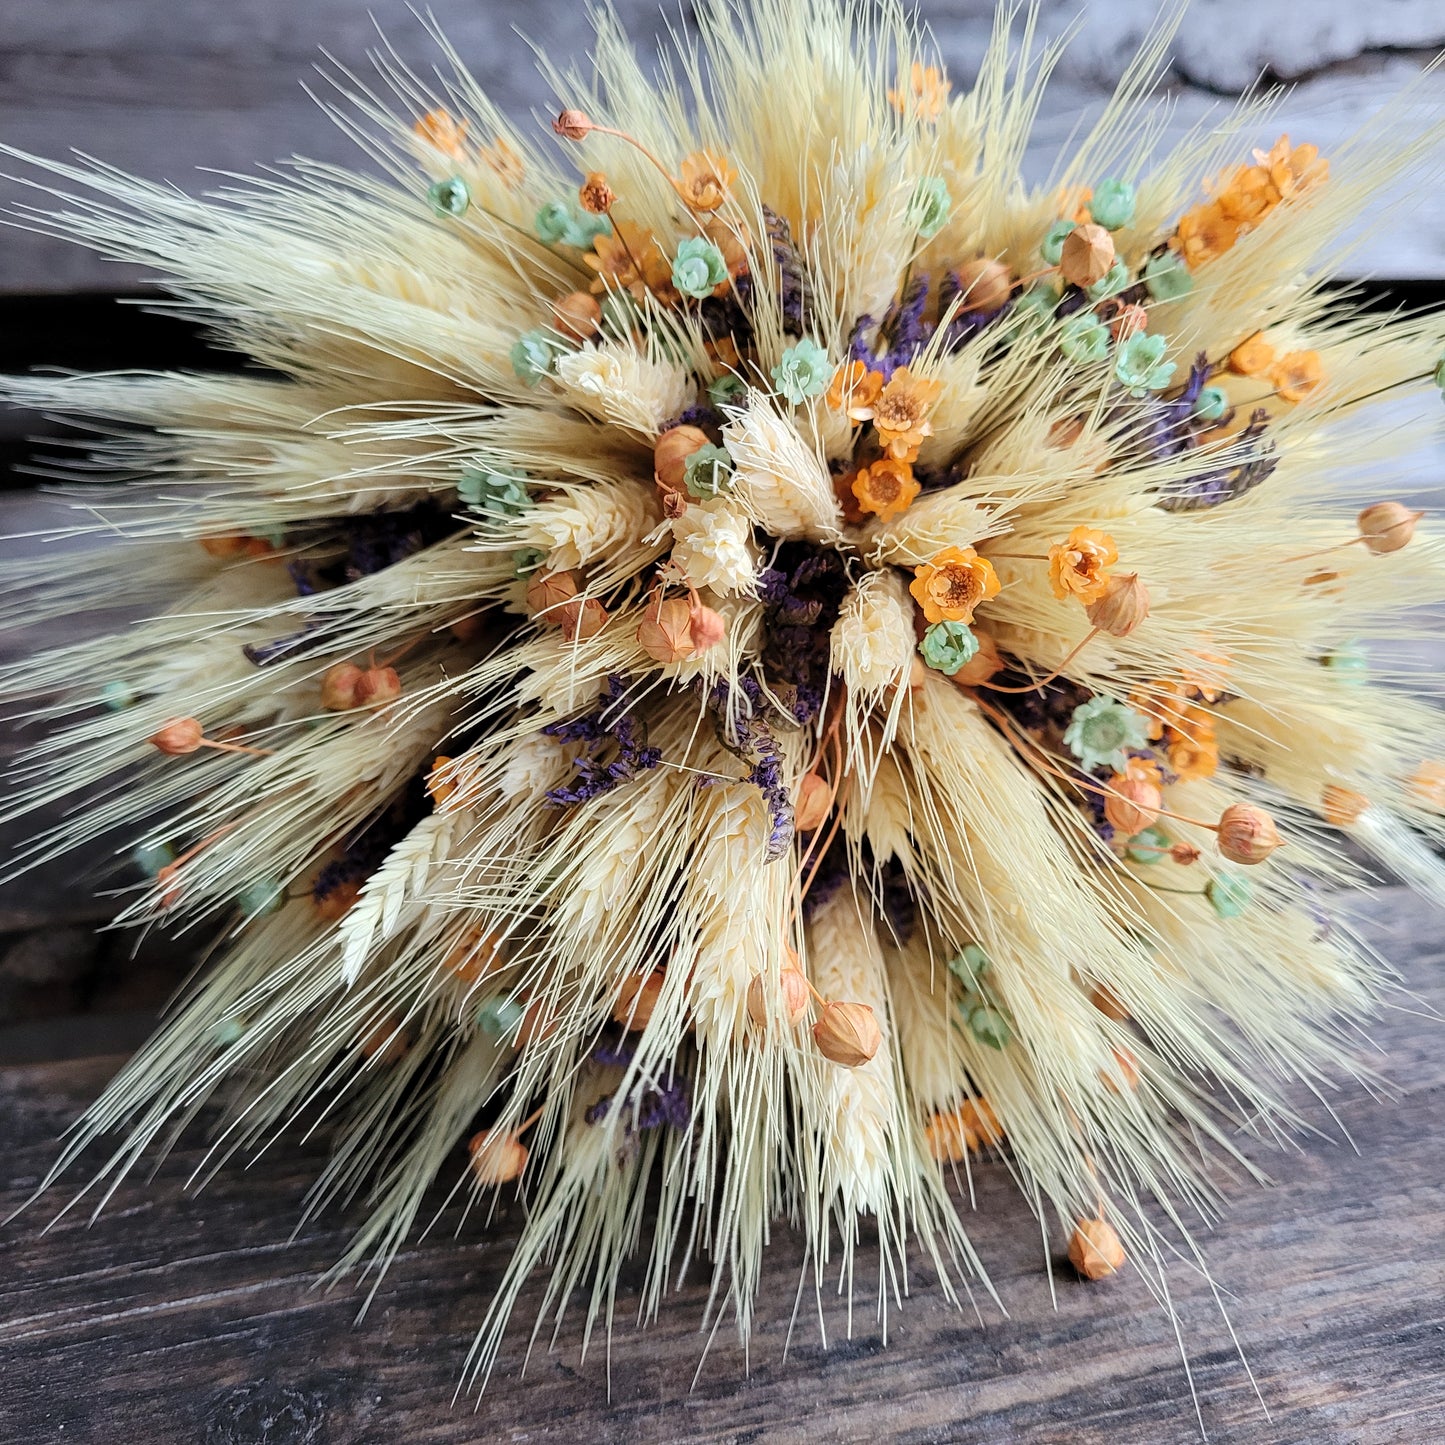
(790, 998)
(708, 629)
(1129, 320)
(1124, 605)
(548, 591)
(847, 1033)
(497, 1157)
(1133, 805)
(538, 1024)
(387, 1043)
(581, 618)
(578, 315)
(1094, 1249)
(1184, 853)
(377, 686)
(338, 686)
(637, 999)
(572, 125)
(1341, 806)
(670, 454)
(983, 285)
(1387, 526)
(665, 632)
(1247, 834)
(814, 802)
(177, 736)
(1088, 253)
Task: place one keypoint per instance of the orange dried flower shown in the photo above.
(1296, 374)
(629, 257)
(178, 736)
(581, 619)
(885, 488)
(854, 391)
(548, 592)
(1129, 321)
(1193, 757)
(441, 782)
(1204, 234)
(1341, 806)
(1079, 565)
(927, 92)
(705, 180)
(900, 415)
(1427, 783)
(732, 238)
(1293, 169)
(965, 1129)
(1252, 356)
(477, 955)
(595, 194)
(1249, 196)
(953, 584)
(504, 162)
(665, 632)
(443, 133)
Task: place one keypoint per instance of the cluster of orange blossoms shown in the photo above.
(448, 136)
(1175, 716)
(1292, 374)
(1244, 197)
(898, 410)
(927, 93)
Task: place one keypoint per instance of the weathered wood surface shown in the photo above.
(162, 87)
(188, 1318)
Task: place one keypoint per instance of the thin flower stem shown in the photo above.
(237, 748)
(1045, 681)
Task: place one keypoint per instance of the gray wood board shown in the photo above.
(181, 1317)
(162, 87)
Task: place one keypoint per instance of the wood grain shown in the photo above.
(165, 87)
(183, 1317)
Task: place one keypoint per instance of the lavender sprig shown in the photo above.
(610, 721)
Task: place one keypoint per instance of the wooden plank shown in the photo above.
(161, 87)
(182, 1317)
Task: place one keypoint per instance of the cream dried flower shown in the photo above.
(712, 548)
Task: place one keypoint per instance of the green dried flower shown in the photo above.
(116, 696)
(1112, 204)
(526, 560)
(1052, 249)
(1211, 403)
(499, 492)
(532, 355)
(929, 206)
(725, 390)
(707, 472)
(1229, 894)
(1149, 846)
(1349, 662)
(1084, 338)
(1167, 277)
(1111, 283)
(450, 197)
(1102, 731)
(1139, 365)
(150, 858)
(500, 1017)
(947, 646)
(698, 268)
(989, 1026)
(1034, 309)
(263, 896)
(804, 371)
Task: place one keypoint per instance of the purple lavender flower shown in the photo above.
(610, 721)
